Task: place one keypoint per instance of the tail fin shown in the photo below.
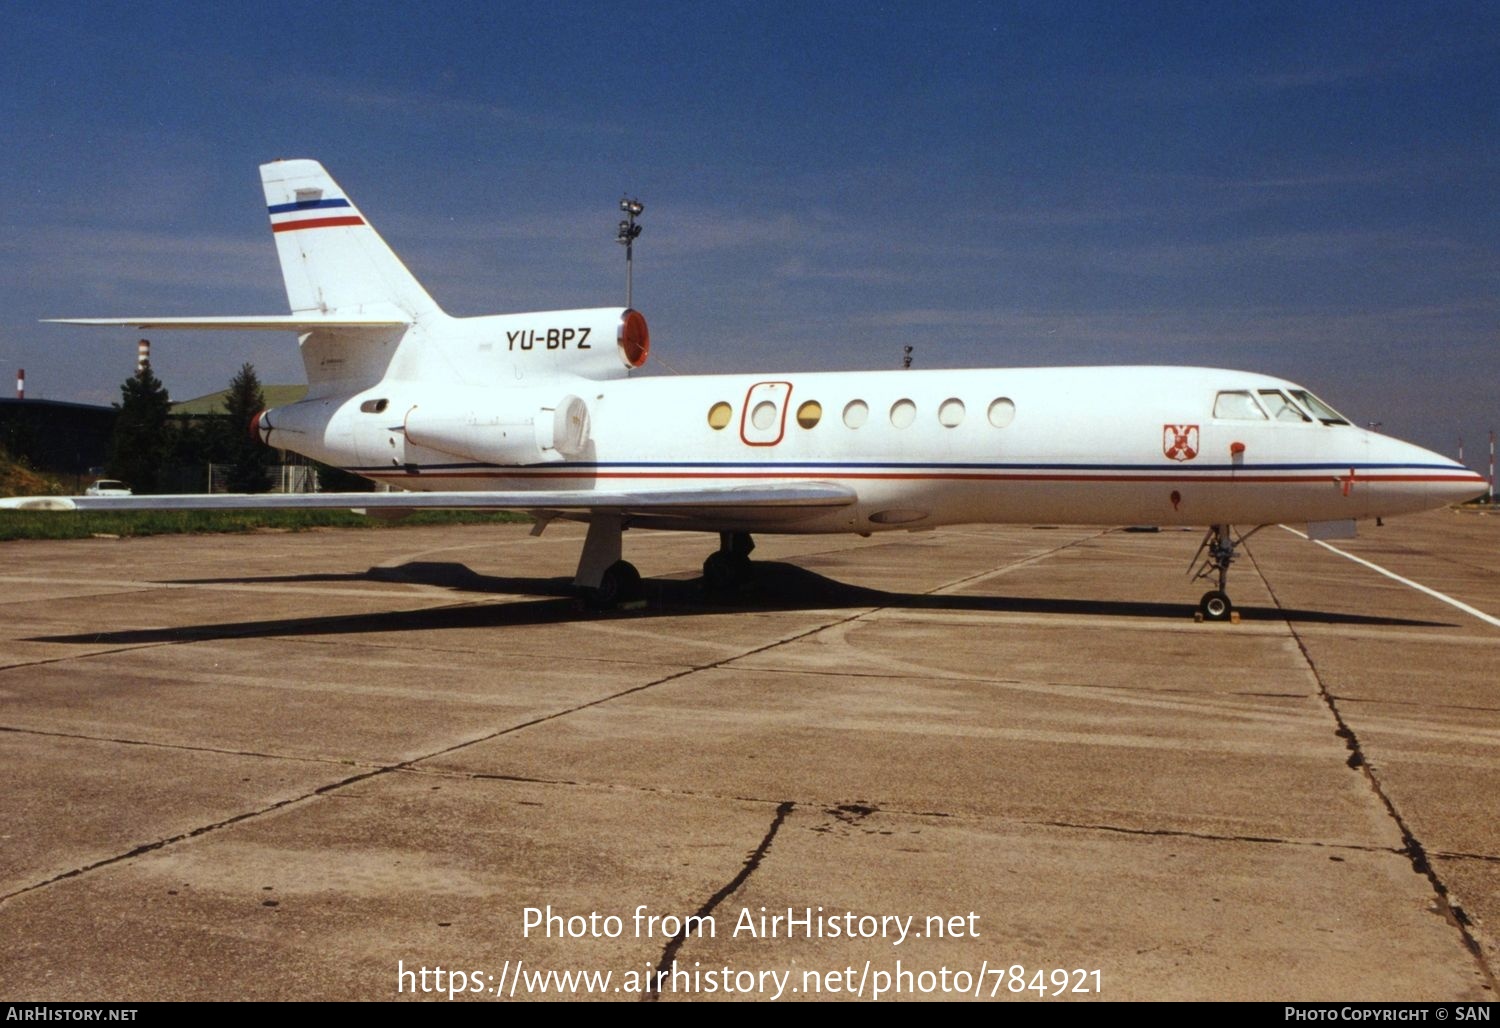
(333, 261)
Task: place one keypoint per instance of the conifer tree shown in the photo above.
(249, 460)
(142, 438)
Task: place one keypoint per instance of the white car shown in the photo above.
(107, 487)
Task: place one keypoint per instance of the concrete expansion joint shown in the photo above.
(172, 840)
(1016, 565)
(1487, 858)
(90, 655)
(957, 583)
(182, 747)
(1467, 707)
(752, 862)
(1179, 833)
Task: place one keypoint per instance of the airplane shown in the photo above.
(542, 413)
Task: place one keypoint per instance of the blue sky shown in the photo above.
(1306, 189)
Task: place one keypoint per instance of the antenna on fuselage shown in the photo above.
(906, 358)
(628, 231)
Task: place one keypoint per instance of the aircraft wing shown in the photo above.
(763, 503)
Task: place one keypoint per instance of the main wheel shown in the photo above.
(1215, 606)
(621, 583)
(722, 571)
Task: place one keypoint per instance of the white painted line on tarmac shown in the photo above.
(1418, 586)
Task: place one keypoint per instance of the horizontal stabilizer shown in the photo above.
(266, 323)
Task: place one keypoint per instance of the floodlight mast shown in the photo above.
(628, 231)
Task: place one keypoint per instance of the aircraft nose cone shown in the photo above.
(1465, 485)
(1418, 479)
(1450, 481)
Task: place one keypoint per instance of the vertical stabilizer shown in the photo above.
(333, 262)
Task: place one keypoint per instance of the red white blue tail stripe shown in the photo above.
(301, 214)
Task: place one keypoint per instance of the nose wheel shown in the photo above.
(1215, 606)
(1217, 553)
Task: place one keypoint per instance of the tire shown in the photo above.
(621, 584)
(1215, 606)
(722, 572)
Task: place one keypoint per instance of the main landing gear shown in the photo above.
(1217, 551)
(605, 580)
(729, 567)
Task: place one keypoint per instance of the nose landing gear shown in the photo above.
(1217, 551)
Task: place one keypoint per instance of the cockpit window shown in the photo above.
(1238, 405)
(1320, 410)
(1280, 407)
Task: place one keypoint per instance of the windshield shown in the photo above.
(1280, 407)
(1320, 410)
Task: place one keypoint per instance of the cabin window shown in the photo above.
(1320, 410)
(1237, 405)
(951, 412)
(764, 415)
(903, 413)
(1280, 407)
(809, 414)
(718, 415)
(856, 413)
(374, 406)
(1002, 412)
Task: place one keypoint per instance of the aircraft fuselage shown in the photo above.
(1088, 445)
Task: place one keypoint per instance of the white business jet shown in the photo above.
(539, 413)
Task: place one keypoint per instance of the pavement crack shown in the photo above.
(1412, 847)
(669, 954)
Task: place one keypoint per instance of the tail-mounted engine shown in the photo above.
(508, 427)
(507, 433)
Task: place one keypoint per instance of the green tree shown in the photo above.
(249, 461)
(143, 439)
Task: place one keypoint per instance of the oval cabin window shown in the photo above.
(718, 415)
(809, 414)
(1002, 412)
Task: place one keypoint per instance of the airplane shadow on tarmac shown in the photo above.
(775, 587)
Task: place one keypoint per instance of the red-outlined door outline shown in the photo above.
(777, 393)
